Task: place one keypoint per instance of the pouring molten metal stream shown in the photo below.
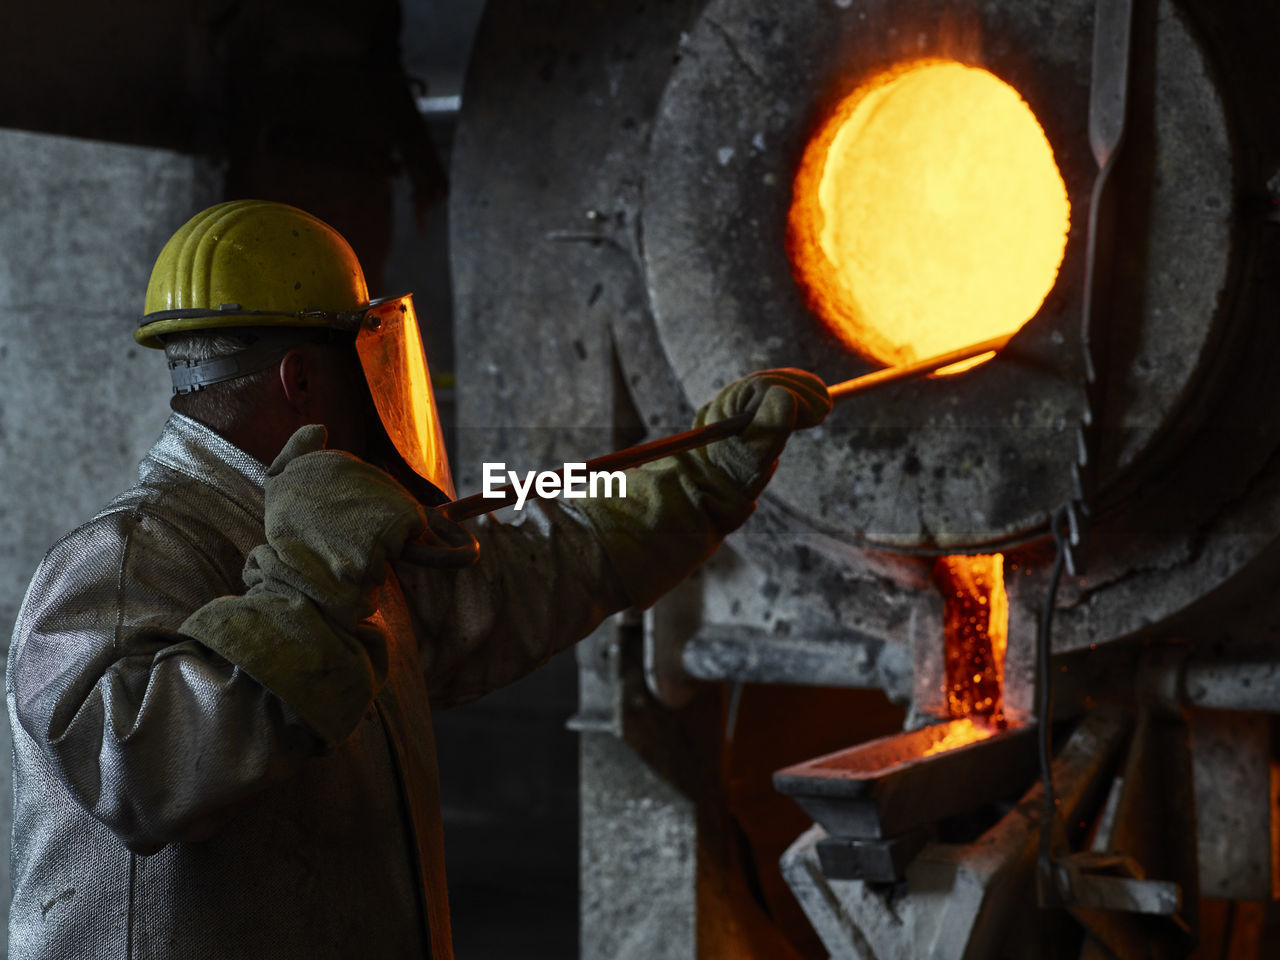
(975, 635)
(928, 213)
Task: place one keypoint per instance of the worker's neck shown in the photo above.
(262, 438)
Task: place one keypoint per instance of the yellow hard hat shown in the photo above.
(252, 263)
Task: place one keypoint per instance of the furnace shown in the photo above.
(649, 203)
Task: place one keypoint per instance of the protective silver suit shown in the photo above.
(169, 805)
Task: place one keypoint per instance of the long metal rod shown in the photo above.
(478, 503)
(889, 375)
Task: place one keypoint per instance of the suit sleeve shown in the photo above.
(546, 580)
(151, 731)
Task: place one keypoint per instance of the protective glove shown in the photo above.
(677, 510)
(783, 400)
(306, 627)
(334, 519)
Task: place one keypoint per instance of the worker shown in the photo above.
(220, 686)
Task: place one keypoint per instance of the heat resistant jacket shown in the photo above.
(168, 805)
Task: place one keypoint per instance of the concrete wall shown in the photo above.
(79, 402)
(638, 857)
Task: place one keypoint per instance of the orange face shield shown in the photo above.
(389, 344)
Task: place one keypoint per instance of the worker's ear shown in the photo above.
(296, 376)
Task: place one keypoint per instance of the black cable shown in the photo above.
(1044, 701)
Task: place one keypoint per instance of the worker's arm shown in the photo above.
(160, 705)
(152, 732)
(545, 581)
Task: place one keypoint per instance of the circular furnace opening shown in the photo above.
(928, 213)
(968, 463)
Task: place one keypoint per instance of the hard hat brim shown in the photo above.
(155, 326)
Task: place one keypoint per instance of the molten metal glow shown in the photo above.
(928, 214)
(960, 733)
(976, 630)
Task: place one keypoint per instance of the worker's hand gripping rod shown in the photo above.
(461, 549)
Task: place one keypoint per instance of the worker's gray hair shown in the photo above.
(228, 405)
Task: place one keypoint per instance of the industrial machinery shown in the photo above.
(1038, 589)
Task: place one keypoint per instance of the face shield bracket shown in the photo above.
(394, 360)
(388, 341)
(192, 376)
